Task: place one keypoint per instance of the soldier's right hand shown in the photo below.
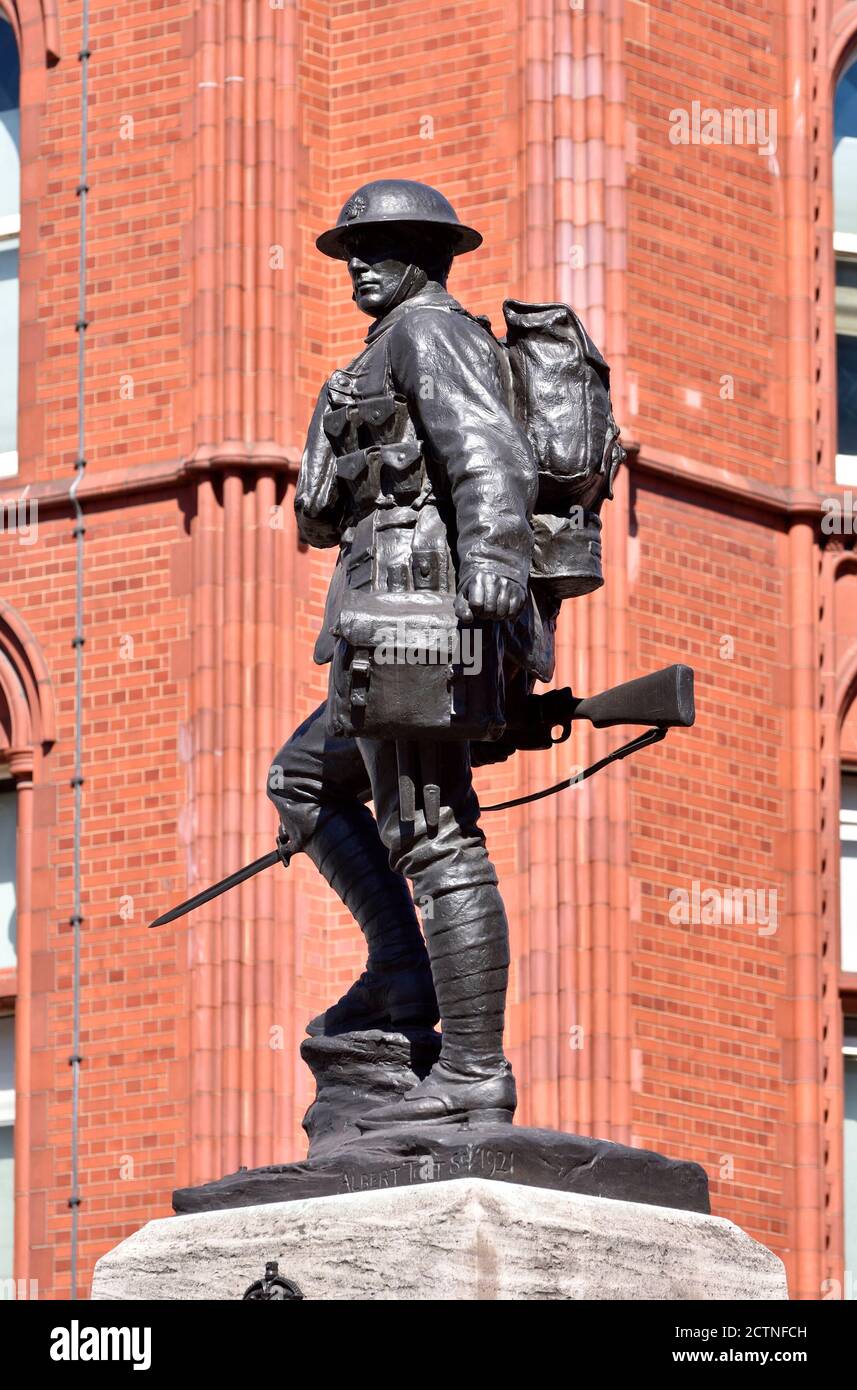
(490, 596)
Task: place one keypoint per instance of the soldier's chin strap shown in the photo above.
(413, 280)
(641, 741)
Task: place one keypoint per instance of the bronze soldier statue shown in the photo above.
(416, 467)
(461, 477)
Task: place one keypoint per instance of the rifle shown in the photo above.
(662, 700)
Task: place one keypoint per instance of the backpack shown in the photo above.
(561, 397)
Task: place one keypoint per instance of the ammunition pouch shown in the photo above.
(372, 411)
(381, 475)
(404, 667)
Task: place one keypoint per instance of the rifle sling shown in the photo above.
(641, 741)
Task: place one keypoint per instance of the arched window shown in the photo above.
(845, 247)
(10, 229)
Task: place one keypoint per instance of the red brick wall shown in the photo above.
(709, 809)
(513, 112)
(705, 247)
(134, 1031)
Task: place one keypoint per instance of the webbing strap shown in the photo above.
(641, 741)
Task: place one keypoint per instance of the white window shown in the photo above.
(8, 862)
(7, 1131)
(850, 1157)
(848, 871)
(845, 248)
(10, 230)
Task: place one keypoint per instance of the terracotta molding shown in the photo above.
(261, 656)
(843, 33)
(535, 137)
(231, 813)
(614, 600)
(23, 1029)
(203, 840)
(145, 479)
(53, 52)
(540, 916)
(802, 1061)
(241, 946)
(845, 686)
(832, 36)
(36, 19)
(243, 331)
(573, 925)
(687, 473)
(723, 483)
(30, 690)
(115, 484)
(243, 235)
(278, 895)
(835, 40)
(26, 692)
(837, 689)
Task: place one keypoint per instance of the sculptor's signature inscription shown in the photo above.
(471, 1160)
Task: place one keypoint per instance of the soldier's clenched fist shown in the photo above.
(490, 596)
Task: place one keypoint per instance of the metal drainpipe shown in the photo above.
(77, 643)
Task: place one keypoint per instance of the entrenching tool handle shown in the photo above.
(417, 765)
(430, 782)
(406, 770)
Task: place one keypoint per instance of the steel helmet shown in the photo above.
(398, 202)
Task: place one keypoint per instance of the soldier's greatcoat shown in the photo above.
(416, 467)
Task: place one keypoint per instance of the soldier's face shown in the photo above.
(377, 264)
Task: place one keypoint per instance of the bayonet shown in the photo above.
(280, 855)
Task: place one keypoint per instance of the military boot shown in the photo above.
(395, 991)
(472, 1081)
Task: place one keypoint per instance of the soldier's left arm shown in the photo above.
(447, 366)
(318, 505)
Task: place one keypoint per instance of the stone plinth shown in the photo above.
(470, 1239)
